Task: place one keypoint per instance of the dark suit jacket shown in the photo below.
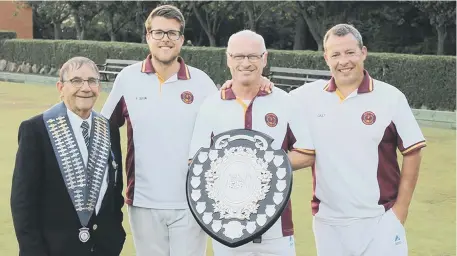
(45, 220)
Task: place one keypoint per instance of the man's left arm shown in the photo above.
(408, 180)
(410, 141)
(118, 186)
(202, 133)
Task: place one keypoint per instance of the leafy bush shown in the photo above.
(427, 81)
(7, 34)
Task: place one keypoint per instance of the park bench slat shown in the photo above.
(294, 78)
(281, 76)
(114, 67)
(300, 71)
(122, 62)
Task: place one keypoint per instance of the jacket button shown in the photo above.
(95, 227)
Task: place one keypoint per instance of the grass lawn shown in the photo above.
(430, 226)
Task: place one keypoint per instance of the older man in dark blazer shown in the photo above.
(66, 196)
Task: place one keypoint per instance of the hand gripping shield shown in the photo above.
(238, 188)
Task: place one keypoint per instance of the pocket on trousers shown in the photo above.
(395, 218)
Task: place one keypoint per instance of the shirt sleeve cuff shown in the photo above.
(310, 152)
(414, 147)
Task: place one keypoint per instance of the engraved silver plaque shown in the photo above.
(238, 188)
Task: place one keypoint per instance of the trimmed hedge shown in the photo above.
(7, 34)
(427, 81)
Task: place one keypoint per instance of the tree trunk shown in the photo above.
(143, 36)
(83, 33)
(200, 38)
(139, 21)
(314, 28)
(441, 30)
(299, 39)
(112, 33)
(57, 30)
(74, 12)
(205, 26)
(212, 40)
(251, 18)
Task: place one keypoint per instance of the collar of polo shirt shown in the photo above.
(365, 86)
(228, 94)
(183, 73)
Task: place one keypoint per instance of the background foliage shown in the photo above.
(427, 81)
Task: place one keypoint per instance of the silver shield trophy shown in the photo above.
(238, 188)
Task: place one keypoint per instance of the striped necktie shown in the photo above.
(85, 127)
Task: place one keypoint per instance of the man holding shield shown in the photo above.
(246, 106)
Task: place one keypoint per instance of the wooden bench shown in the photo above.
(292, 78)
(112, 67)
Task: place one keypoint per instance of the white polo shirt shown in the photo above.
(160, 119)
(356, 173)
(266, 113)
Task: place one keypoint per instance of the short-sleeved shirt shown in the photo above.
(355, 139)
(267, 113)
(160, 117)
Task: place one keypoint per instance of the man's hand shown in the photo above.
(265, 84)
(227, 84)
(401, 213)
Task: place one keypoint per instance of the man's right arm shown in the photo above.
(302, 152)
(25, 193)
(300, 159)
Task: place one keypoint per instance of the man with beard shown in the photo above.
(159, 99)
(245, 106)
(361, 199)
(66, 194)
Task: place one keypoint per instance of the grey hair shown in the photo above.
(74, 64)
(342, 30)
(251, 35)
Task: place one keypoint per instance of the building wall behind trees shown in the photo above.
(18, 17)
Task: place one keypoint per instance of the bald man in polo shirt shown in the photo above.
(245, 106)
(355, 124)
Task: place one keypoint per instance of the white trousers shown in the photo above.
(379, 236)
(284, 246)
(166, 232)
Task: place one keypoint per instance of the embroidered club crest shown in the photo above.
(271, 119)
(187, 97)
(368, 118)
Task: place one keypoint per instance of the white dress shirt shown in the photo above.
(76, 122)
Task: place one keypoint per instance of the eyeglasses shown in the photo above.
(251, 57)
(171, 34)
(78, 82)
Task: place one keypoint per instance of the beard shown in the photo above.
(166, 62)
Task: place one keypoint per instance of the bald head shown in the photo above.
(243, 36)
(246, 58)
